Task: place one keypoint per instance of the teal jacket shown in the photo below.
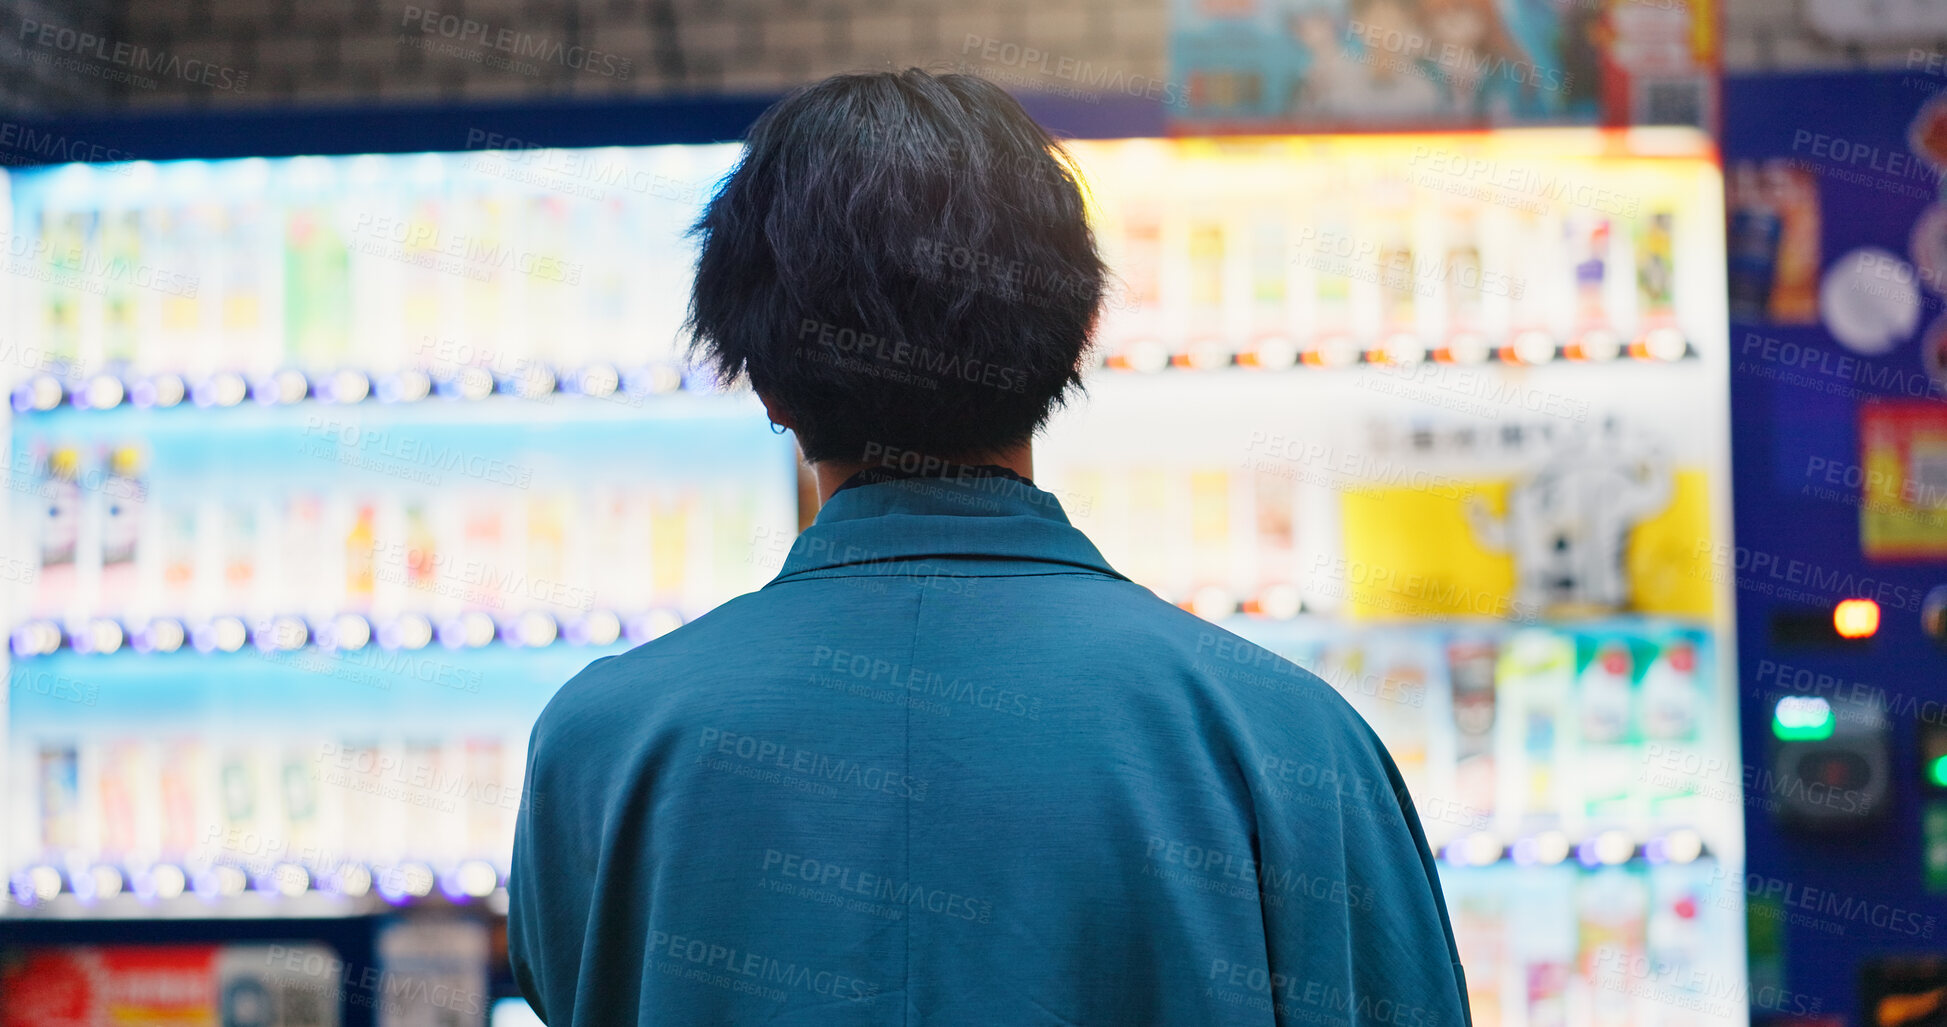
(949, 767)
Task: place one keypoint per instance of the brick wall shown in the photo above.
(1777, 35)
(36, 76)
(266, 52)
(325, 51)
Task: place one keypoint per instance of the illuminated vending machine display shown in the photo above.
(325, 473)
(1444, 420)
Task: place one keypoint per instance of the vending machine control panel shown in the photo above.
(1829, 763)
(1838, 370)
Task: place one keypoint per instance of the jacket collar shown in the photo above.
(974, 526)
(875, 475)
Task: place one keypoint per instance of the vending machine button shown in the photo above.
(1829, 765)
(1933, 614)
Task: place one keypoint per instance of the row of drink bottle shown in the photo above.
(512, 260)
(340, 809)
(381, 263)
(377, 531)
(1508, 735)
(388, 530)
(1269, 285)
(1516, 740)
(1642, 945)
(1409, 243)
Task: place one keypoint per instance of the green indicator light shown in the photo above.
(1816, 733)
(1802, 718)
(1933, 844)
(1937, 771)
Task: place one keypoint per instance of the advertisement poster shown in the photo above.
(1904, 460)
(170, 986)
(1388, 65)
(435, 974)
(1593, 526)
(1773, 241)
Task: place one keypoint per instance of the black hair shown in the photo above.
(900, 261)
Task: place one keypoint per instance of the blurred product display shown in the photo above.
(335, 468)
(1486, 498)
(313, 523)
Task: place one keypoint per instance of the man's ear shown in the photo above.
(777, 413)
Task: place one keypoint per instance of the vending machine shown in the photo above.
(328, 470)
(1838, 241)
(325, 473)
(1443, 418)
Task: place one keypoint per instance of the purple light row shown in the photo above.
(1607, 848)
(346, 631)
(45, 392)
(397, 885)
